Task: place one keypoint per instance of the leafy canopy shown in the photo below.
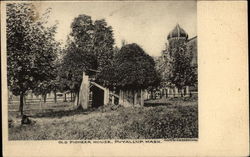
(90, 46)
(132, 68)
(181, 72)
(30, 47)
(74, 63)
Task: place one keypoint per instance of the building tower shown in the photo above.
(176, 37)
(177, 34)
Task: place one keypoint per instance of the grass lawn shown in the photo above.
(172, 120)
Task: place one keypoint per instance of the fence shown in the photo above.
(159, 95)
(38, 105)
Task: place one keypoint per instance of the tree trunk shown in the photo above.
(113, 99)
(153, 95)
(21, 104)
(44, 98)
(55, 98)
(65, 97)
(190, 94)
(71, 97)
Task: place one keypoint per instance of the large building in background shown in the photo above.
(163, 62)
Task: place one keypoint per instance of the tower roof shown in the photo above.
(177, 32)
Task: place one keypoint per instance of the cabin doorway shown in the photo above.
(97, 97)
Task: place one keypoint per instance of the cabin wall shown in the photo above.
(131, 97)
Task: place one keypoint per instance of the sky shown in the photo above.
(144, 23)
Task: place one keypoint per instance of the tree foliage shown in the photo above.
(30, 48)
(74, 63)
(181, 73)
(90, 46)
(78, 55)
(82, 32)
(132, 68)
(103, 43)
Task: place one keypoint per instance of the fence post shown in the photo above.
(187, 90)
(142, 97)
(106, 96)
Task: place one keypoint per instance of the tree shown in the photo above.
(103, 43)
(134, 68)
(181, 73)
(74, 63)
(82, 30)
(89, 46)
(131, 71)
(131, 68)
(30, 47)
(51, 83)
(78, 54)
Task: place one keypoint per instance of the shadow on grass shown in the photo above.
(60, 113)
(190, 99)
(156, 104)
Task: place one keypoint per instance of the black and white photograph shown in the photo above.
(99, 70)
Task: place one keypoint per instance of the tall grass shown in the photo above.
(123, 123)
